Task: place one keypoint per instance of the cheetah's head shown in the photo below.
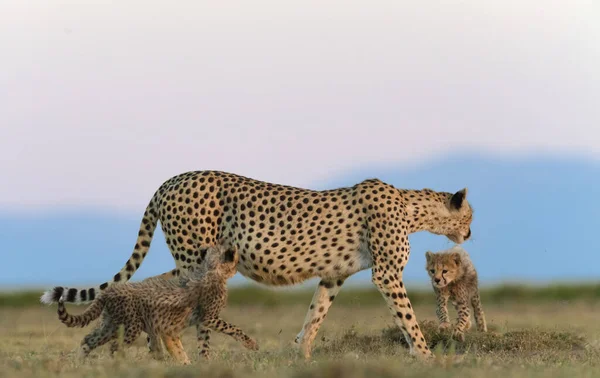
(443, 268)
(452, 217)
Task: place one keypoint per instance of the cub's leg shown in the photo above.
(463, 321)
(202, 332)
(441, 310)
(105, 332)
(478, 312)
(222, 326)
(155, 345)
(203, 335)
(175, 349)
(131, 332)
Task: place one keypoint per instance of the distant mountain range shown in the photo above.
(536, 220)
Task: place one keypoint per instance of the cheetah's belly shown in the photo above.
(301, 265)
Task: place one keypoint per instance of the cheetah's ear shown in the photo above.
(458, 199)
(429, 255)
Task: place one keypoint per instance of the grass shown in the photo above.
(536, 332)
(260, 296)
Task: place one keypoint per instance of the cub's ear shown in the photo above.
(456, 258)
(458, 199)
(229, 255)
(223, 242)
(428, 256)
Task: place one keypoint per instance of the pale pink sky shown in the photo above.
(100, 103)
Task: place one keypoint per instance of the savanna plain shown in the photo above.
(551, 331)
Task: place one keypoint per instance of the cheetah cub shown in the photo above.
(162, 308)
(454, 277)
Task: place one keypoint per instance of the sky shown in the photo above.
(100, 102)
(535, 221)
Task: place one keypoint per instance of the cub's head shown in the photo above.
(451, 215)
(443, 268)
(228, 261)
(222, 259)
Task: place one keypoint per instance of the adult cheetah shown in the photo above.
(162, 308)
(286, 235)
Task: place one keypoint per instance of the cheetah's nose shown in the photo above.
(468, 234)
(437, 280)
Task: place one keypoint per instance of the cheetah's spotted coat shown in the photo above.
(286, 235)
(454, 277)
(162, 308)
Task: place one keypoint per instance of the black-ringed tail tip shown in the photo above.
(70, 295)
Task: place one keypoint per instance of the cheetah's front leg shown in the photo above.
(389, 261)
(322, 300)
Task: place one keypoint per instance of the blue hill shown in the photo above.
(535, 220)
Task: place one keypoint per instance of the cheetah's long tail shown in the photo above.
(83, 319)
(142, 245)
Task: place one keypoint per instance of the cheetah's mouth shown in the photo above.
(441, 284)
(458, 239)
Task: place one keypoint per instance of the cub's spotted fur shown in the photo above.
(162, 308)
(286, 235)
(454, 277)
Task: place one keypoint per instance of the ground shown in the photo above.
(534, 336)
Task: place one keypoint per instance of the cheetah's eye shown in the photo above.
(432, 271)
(444, 271)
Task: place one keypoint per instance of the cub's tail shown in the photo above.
(142, 245)
(90, 314)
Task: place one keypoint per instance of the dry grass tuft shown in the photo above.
(523, 342)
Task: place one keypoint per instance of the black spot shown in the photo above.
(145, 243)
(327, 284)
(399, 314)
(104, 286)
(117, 277)
(92, 294)
(408, 316)
(83, 295)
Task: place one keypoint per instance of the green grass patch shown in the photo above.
(260, 296)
